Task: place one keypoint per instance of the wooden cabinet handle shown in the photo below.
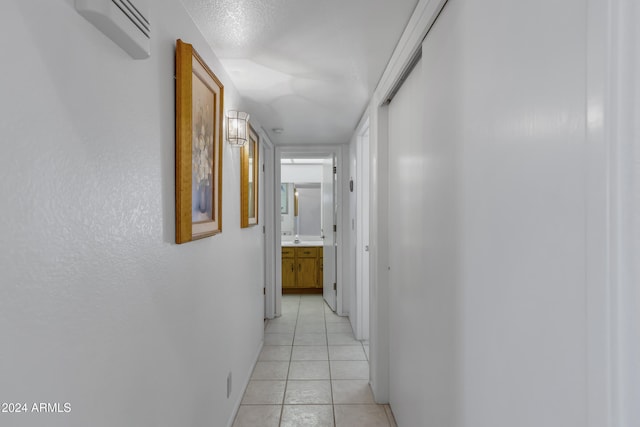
(299, 267)
(292, 270)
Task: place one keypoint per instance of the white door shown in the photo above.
(328, 233)
(362, 238)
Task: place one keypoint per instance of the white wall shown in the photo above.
(98, 306)
(488, 222)
(625, 154)
(301, 173)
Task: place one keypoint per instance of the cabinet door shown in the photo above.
(288, 273)
(307, 273)
(320, 276)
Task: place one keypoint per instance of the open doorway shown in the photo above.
(307, 242)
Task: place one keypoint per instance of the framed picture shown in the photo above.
(284, 199)
(199, 109)
(249, 172)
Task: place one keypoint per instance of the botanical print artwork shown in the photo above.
(251, 183)
(202, 151)
(199, 106)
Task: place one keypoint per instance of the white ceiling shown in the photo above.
(308, 67)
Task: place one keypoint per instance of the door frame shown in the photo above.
(613, 59)
(360, 215)
(268, 229)
(408, 48)
(614, 82)
(310, 151)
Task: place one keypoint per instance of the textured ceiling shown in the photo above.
(307, 67)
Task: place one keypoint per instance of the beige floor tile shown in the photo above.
(307, 416)
(278, 339)
(258, 415)
(284, 319)
(310, 339)
(275, 353)
(280, 328)
(346, 352)
(390, 417)
(311, 320)
(309, 370)
(316, 392)
(349, 370)
(264, 393)
(339, 327)
(310, 327)
(334, 318)
(307, 379)
(352, 392)
(310, 352)
(360, 416)
(342, 339)
(270, 371)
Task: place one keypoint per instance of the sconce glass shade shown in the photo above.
(237, 128)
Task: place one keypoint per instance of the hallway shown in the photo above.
(311, 372)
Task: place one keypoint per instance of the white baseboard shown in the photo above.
(244, 386)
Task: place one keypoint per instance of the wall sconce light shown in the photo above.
(237, 128)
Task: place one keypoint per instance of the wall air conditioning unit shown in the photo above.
(126, 22)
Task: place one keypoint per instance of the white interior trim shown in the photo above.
(379, 253)
(623, 43)
(597, 245)
(236, 406)
(342, 236)
(614, 379)
(361, 287)
(410, 44)
(308, 152)
(269, 222)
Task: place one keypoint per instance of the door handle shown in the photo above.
(292, 270)
(366, 248)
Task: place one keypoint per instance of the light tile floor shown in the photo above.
(311, 372)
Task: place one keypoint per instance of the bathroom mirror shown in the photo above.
(308, 222)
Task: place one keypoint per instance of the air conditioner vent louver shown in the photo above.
(123, 21)
(134, 15)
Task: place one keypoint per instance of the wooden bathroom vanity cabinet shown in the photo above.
(302, 269)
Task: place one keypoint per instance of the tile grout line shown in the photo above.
(326, 332)
(303, 312)
(286, 381)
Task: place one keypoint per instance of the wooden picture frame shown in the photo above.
(199, 113)
(249, 173)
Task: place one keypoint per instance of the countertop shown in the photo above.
(290, 243)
